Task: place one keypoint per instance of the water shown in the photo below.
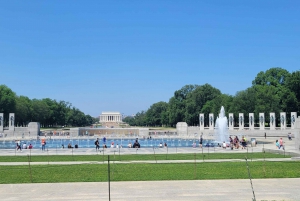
(90, 143)
(222, 127)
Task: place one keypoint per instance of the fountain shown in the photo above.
(221, 131)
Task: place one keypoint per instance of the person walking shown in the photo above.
(97, 144)
(201, 141)
(43, 144)
(281, 143)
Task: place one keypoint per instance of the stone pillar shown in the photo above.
(182, 128)
(231, 121)
(296, 133)
(34, 129)
(201, 121)
(293, 119)
(272, 121)
(241, 121)
(211, 121)
(1, 122)
(251, 121)
(261, 121)
(11, 121)
(282, 120)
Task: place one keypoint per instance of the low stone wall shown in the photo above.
(185, 131)
(32, 131)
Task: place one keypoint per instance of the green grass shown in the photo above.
(147, 172)
(136, 157)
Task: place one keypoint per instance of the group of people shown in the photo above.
(279, 143)
(161, 145)
(236, 142)
(20, 146)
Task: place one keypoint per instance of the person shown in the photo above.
(290, 136)
(62, 146)
(201, 141)
(70, 146)
(30, 146)
(117, 146)
(281, 144)
(166, 145)
(76, 146)
(43, 144)
(194, 144)
(104, 140)
(160, 145)
(136, 144)
(237, 142)
(224, 145)
(265, 135)
(244, 142)
(231, 142)
(129, 145)
(97, 144)
(112, 145)
(25, 146)
(19, 146)
(277, 144)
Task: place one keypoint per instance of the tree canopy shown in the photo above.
(48, 112)
(275, 90)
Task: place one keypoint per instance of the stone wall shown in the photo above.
(32, 131)
(182, 128)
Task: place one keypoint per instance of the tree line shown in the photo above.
(50, 113)
(275, 90)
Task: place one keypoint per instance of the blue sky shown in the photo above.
(127, 55)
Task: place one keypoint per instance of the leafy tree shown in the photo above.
(214, 106)
(196, 100)
(267, 100)
(293, 84)
(7, 102)
(155, 112)
(24, 110)
(274, 76)
(177, 104)
(40, 111)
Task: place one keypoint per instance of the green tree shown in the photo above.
(267, 100)
(196, 100)
(23, 110)
(274, 76)
(7, 102)
(293, 84)
(154, 114)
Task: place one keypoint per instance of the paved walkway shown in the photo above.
(233, 190)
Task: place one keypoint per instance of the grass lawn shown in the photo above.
(147, 172)
(136, 157)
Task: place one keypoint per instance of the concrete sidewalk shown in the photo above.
(145, 161)
(233, 190)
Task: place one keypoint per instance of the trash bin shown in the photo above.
(253, 142)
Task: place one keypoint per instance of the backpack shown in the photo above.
(96, 143)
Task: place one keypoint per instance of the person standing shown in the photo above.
(201, 141)
(43, 144)
(281, 144)
(97, 144)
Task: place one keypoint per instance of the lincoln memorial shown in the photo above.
(110, 119)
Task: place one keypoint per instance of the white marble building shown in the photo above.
(115, 117)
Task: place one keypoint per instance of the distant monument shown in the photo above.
(110, 119)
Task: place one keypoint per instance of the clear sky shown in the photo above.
(126, 55)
